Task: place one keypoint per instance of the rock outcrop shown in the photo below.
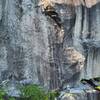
(32, 46)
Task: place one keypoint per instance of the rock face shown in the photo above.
(81, 95)
(87, 3)
(23, 42)
(72, 66)
(32, 46)
(82, 92)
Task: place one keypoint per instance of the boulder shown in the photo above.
(72, 65)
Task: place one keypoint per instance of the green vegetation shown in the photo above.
(52, 94)
(35, 92)
(31, 92)
(11, 98)
(3, 95)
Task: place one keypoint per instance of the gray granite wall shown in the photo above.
(32, 46)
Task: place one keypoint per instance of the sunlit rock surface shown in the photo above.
(87, 3)
(72, 66)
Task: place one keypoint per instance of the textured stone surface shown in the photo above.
(24, 42)
(87, 3)
(82, 92)
(72, 66)
(32, 46)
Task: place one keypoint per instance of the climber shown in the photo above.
(91, 82)
(50, 11)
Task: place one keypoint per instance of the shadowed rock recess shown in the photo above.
(34, 47)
